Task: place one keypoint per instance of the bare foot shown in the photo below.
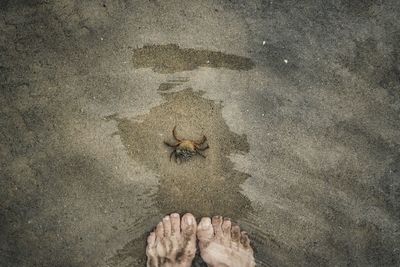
(173, 243)
(222, 244)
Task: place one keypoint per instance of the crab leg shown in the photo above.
(170, 155)
(201, 141)
(200, 154)
(174, 134)
(168, 144)
(202, 149)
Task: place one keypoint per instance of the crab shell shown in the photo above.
(185, 150)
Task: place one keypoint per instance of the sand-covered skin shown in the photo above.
(300, 103)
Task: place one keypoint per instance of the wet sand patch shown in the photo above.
(171, 58)
(204, 187)
(170, 84)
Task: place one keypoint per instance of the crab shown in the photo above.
(185, 149)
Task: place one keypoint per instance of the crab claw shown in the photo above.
(201, 141)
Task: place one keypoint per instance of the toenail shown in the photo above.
(189, 220)
(205, 222)
(175, 215)
(217, 217)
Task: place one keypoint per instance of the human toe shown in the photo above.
(189, 226)
(205, 231)
(245, 240)
(226, 229)
(159, 231)
(235, 236)
(217, 226)
(166, 221)
(175, 224)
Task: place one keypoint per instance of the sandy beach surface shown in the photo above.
(299, 101)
